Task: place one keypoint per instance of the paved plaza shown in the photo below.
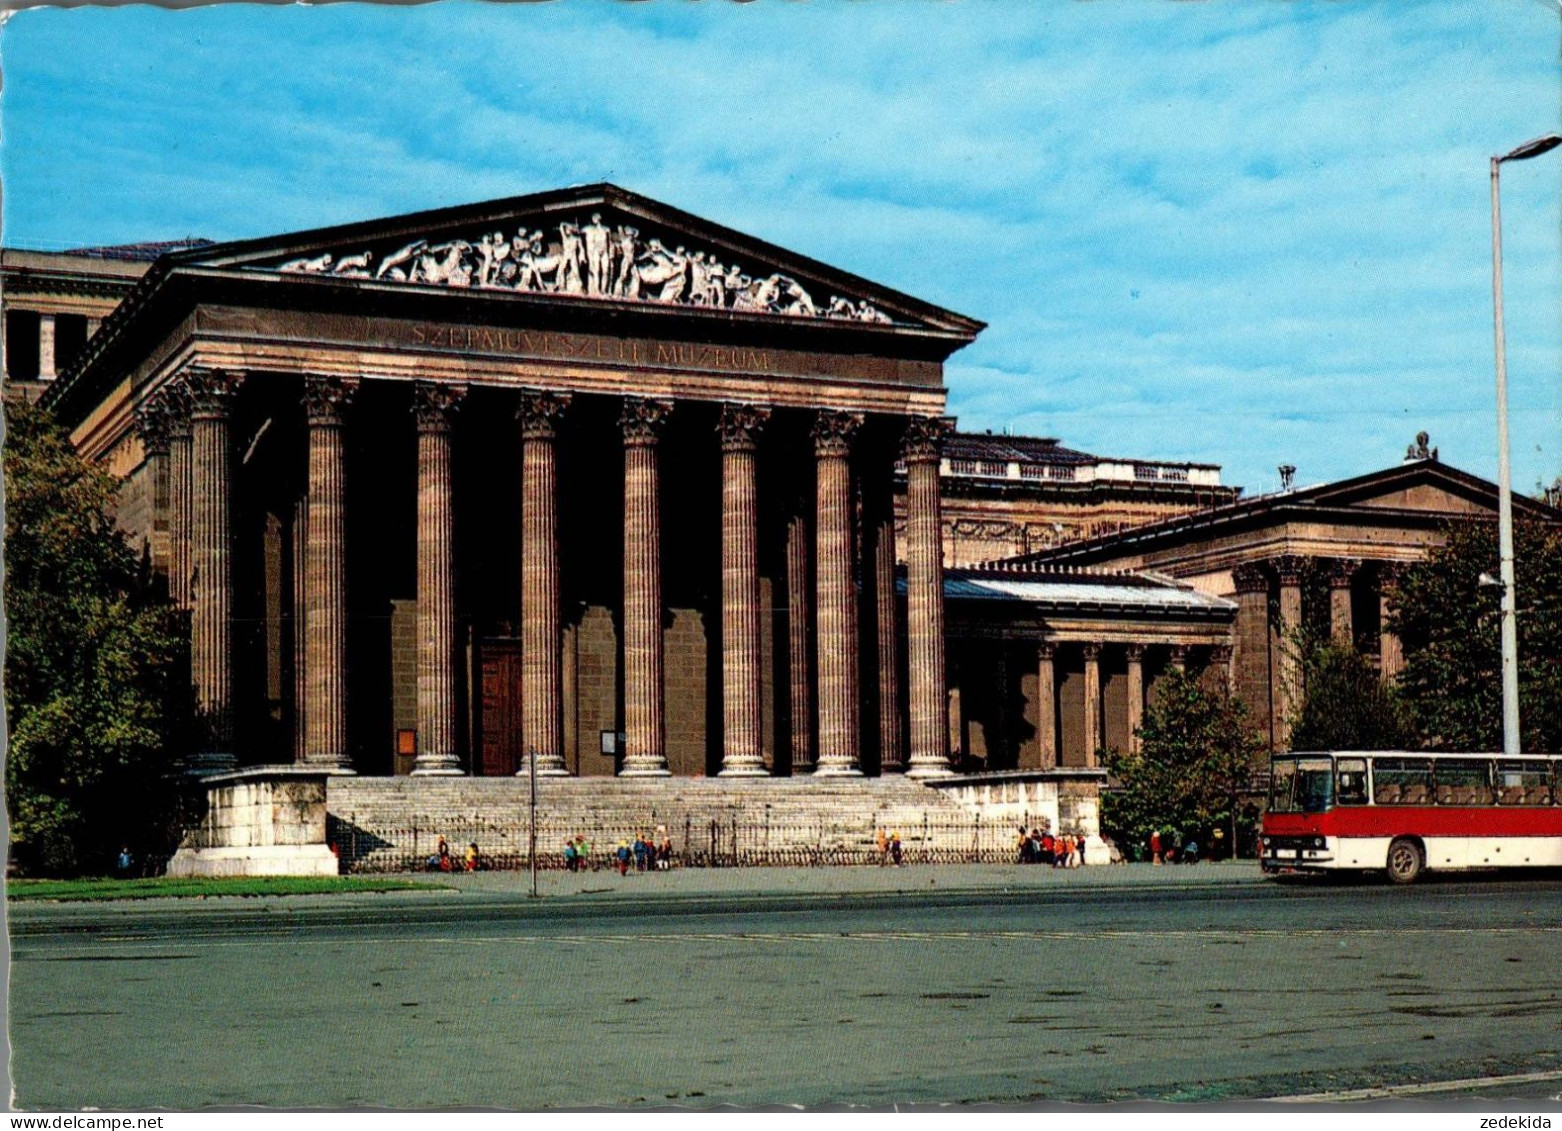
(1002, 985)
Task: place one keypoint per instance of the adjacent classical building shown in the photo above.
(1326, 556)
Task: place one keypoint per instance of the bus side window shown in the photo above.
(1351, 787)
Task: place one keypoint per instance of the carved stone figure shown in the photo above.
(626, 248)
(569, 279)
(391, 265)
(312, 266)
(599, 258)
(355, 266)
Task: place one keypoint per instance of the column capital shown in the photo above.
(327, 398)
(1091, 650)
(834, 432)
(176, 403)
(1179, 655)
(1220, 654)
(643, 419)
(1289, 568)
(154, 421)
(1047, 649)
(740, 425)
(434, 404)
(539, 413)
(1341, 570)
(1390, 574)
(211, 392)
(1135, 652)
(923, 439)
(1250, 577)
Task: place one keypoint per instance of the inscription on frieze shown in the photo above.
(555, 345)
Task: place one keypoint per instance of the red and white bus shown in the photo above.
(1406, 813)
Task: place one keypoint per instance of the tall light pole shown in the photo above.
(1510, 631)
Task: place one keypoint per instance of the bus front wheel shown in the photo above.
(1404, 861)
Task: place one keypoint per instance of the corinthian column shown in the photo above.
(1288, 688)
(1341, 571)
(837, 595)
(925, 600)
(1391, 653)
(211, 535)
(433, 405)
(742, 753)
(1092, 704)
(1047, 704)
(542, 711)
(879, 570)
(1135, 695)
(179, 457)
(326, 400)
(154, 420)
(799, 621)
(645, 752)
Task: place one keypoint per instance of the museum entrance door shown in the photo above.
(499, 707)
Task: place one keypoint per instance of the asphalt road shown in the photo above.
(862, 986)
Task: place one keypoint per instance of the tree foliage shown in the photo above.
(1449, 624)
(1345, 705)
(90, 663)
(1197, 755)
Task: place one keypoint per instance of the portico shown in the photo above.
(452, 499)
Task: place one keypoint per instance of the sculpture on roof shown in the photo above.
(589, 260)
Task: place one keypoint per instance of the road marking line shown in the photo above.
(1391, 1090)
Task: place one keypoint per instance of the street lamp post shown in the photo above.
(1510, 633)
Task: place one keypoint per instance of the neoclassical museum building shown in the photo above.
(582, 477)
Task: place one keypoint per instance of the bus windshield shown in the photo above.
(1301, 785)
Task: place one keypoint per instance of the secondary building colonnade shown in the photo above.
(185, 433)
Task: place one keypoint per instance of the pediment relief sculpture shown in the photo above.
(590, 260)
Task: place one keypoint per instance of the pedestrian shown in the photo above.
(664, 851)
(583, 854)
(125, 862)
(640, 847)
(882, 840)
(622, 855)
(894, 847)
(1081, 846)
(474, 859)
(443, 858)
(1155, 847)
(569, 855)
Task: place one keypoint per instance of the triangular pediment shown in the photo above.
(599, 244)
(1417, 485)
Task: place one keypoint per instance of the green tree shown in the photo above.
(1448, 621)
(1197, 755)
(1345, 705)
(90, 664)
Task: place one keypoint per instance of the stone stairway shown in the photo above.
(394, 824)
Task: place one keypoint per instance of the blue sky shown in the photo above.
(1245, 235)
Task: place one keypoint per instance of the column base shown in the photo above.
(743, 770)
(930, 770)
(337, 767)
(652, 771)
(438, 771)
(837, 770)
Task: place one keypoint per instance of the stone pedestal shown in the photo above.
(261, 821)
(326, 400)
(645, 752)
(433, 405)
(742, 752)
(926, 678)
(542, 702)
(836, 653)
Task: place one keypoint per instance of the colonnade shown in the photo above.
(186, 426)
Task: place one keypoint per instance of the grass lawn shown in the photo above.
(201, 887)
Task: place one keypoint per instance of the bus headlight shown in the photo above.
(1319, 842)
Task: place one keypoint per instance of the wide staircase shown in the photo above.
(395, 824)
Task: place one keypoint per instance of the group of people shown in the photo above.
(889, 848)
(644, 854)
(1168, 853)
(444, 861)
(1037, 847)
